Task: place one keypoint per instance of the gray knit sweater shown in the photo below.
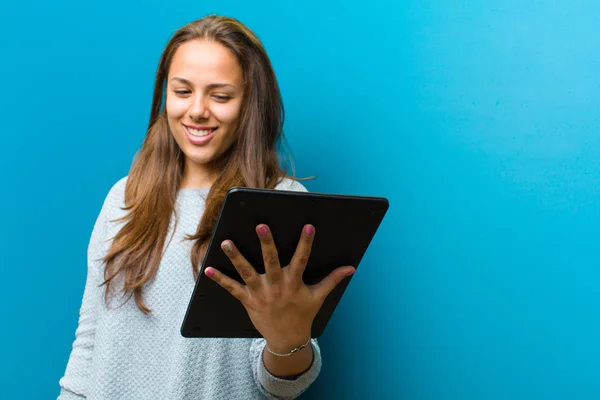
(121, 353)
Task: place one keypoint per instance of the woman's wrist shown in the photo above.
(289, 352)
(289, 345)
(288, 359)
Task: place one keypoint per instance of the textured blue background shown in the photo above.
(478, 119)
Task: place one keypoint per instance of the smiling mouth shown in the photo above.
(199, 132)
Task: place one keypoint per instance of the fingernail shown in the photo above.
(310, 230)
(350, 273)
(209, 272)
(227, 247)
(263, 230)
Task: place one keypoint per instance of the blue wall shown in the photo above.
(478, 119)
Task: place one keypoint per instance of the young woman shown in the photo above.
(215, 123)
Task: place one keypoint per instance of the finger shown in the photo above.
(242, 266)
(269, 252)
(236, 289)
(323, 288)
(302, 254)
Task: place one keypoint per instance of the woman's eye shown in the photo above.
(182, 92)
(221, 98)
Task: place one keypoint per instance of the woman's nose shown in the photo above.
(199, 110)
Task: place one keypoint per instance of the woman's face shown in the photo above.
(203, 102)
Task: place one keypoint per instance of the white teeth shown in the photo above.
(198, 132)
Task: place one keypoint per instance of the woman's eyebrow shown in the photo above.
(211, 86)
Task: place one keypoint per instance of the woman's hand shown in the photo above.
(280, 305)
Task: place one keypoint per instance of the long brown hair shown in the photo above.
(156, 174)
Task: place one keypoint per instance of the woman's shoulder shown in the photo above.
(290, 184)
(115, 198)
(106, 224)
(117, 191)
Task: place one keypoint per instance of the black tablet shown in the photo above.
(345, 225)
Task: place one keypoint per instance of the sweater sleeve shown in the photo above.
(275, 388)
(271, 386)
(75, 382)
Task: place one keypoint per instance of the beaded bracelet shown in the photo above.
(294, 350)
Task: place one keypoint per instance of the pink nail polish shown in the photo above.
(209, 272)
(310, 230)
(263, 230)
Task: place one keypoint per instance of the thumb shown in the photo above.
(323, 288)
